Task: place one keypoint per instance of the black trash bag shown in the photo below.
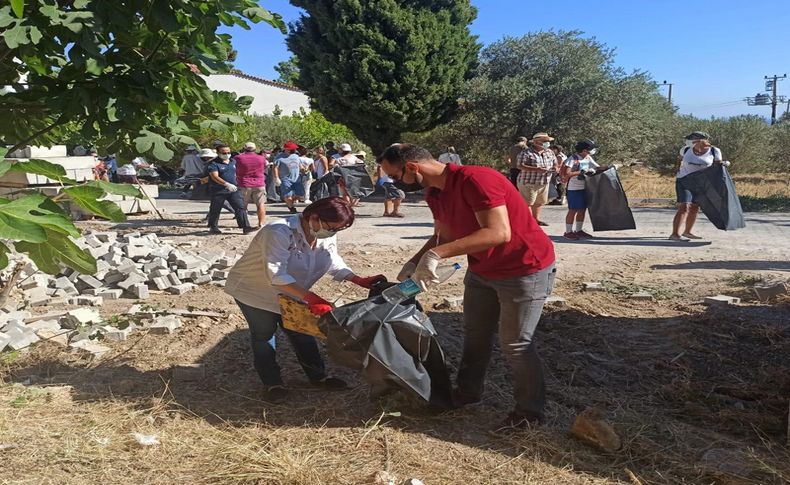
(393, 345)
(607, 203)
(356, 179)
(325, 187)
(714, 192)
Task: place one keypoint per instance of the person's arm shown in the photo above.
(494, 230)
(325, 163)
(216, 178)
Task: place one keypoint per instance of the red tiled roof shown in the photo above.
(276, 84)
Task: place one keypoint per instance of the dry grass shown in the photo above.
(641, 183)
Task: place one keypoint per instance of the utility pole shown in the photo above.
(774, 98)
(670, 91)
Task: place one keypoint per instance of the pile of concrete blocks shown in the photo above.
(80, 329)
(128, 266)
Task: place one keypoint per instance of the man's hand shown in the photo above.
(406, 271)
(425, 273)
(318, 306)
(231, 187)
(369, 281)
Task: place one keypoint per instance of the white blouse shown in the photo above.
(280, 255)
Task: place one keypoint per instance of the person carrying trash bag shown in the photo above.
(479, 214)
(288, 256)
(573, 173)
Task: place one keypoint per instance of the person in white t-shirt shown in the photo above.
(697, 154)
(450, 156)
(307, 169)
(573, 172)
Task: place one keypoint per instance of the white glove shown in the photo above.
(406, 271)
(425, 274)
(231, 187)
(277, 182)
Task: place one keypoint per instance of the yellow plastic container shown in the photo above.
(297, 317)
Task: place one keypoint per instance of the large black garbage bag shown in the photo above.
(325, 187)
(607, 203)
(714, 191)
(393, 345)
(356, 179)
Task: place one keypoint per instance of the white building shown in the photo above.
(268, 95)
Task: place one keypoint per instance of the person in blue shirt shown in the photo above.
(223, 188)
(288, 176)
(112, 167)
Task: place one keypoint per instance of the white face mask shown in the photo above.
(321, 233)
(224, 156)
(689, 143)
(546, 145)
(593, 151)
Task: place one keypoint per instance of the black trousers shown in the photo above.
(218, 199)
(514, 176)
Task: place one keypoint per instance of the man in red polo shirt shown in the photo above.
(478, 212)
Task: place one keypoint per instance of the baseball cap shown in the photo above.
(585, 145)
(345, 147)
(250, 146)
(290, 145)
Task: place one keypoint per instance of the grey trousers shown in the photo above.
(512, 307)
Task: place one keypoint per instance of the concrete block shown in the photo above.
(85, 281)
(39, 299)
(114, 334)
(139, 241)
(94, 291)
(137, 252)
(220, 283)
(114, 277)
(158, 273)
(224, 262)
(553, 301)
(161, 283)
(44, 325)
(131, 280)
(593, 286)
(63, 282)
(91, 240)
(60, 336)
(188, 262)
(126, 266)
(218, 274)
(181, 289)
(202, 279)
(174, 281)
(766, 292)
(160, 253)
(139, 291)
(129, 235)
(107, 237)
(642, 296)
(156, 263)
(111, 294)
(20, 337)
(211, 256)
(4, 340)
(166, 324)
(13, 316)
(100, 251)
(721, 300)
(452, 302)
(81, 316)
(89, 348)
(189, 372)
(86, 301)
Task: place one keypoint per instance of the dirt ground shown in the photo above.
(698, 394)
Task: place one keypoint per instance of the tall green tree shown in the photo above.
(384, 67)
(126, 73)
(561, 83)
(288, 71)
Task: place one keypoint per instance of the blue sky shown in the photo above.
(716, 52)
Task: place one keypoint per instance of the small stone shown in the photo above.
(593, 286)
(189, 372)
(591, 427)
(721, 300)
(553, 301)
(766, 292)
(642, 296)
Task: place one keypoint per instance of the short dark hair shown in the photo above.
(222, 146)
(399, 153)
(329, 143)
(559, 148)
(331, 209)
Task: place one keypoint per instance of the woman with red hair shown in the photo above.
(288, 256)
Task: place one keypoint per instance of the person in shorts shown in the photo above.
(537, 164)
(251, 175)
(573, 172)
(393, 196)
(288, 176)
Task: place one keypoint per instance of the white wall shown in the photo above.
(266, 96)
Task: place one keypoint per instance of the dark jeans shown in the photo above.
(218, 199)
(512, 307)
(514, 176)
(263, 324)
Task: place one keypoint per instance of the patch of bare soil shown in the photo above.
(697, 394)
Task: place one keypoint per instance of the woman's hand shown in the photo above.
(318, 306)
(369, 281)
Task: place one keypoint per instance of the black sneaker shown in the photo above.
(248, 230)
(519, 420)
(292, 210)
(330, 384)
(541, 223)
(214, 231)
(275, 394)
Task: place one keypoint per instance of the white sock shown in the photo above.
(577, 226)
(569, 227)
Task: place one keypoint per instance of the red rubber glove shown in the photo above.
(318, 306)
(369, 281)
